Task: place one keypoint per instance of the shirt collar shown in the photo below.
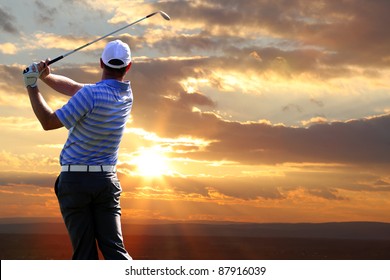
(116, 84)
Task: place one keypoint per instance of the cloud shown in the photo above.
(337, 33)
(238, 182)
(49, 40)
(319, 103)
(20, 123)
(27, 194)
(328, 194)
(292, 107)
(363, 141)
(256, 56)
(8, 48)
(12, 162)
(162, 107)
(12, 86)
(27, 179)
(314, 120)
(7, 22)
(359, 140)
(45, 14)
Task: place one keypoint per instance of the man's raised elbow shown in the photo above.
(46, 126)
(51, 123)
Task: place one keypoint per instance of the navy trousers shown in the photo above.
(89, 203)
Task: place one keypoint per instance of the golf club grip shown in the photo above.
(55, 60)
(152, 14)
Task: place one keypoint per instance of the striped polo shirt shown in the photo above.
(95, 117)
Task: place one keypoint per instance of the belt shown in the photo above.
(88, 168)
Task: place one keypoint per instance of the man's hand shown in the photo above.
(44, 69)
(35, 71)
(31, 75)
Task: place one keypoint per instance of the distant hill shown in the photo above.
(347, 230)
(343, 230)
(34, 239)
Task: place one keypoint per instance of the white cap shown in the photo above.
(116, 50)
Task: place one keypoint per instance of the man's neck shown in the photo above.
(106, 76)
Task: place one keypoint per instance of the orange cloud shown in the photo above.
(8, 48)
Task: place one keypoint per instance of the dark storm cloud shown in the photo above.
(7, 22)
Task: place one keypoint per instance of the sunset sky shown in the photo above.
(247, 111)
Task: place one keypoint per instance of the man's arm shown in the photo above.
(44, 113)
(62, 84)
(59, 83)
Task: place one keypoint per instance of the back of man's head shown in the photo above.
(116, 57)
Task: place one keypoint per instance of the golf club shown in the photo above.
(163, 14)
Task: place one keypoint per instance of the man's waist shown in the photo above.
(87, 168)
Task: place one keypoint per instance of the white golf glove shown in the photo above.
(31, 75)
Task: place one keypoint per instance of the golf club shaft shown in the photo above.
(101, 38)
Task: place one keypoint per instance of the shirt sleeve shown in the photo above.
(76, 108)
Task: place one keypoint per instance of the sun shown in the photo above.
(151, 163)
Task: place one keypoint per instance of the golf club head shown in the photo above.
(164, 15)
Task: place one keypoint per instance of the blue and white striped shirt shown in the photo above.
(96, 117)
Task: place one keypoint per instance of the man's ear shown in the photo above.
(101, 63)
(128, 67)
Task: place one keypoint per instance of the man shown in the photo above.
(87, 188)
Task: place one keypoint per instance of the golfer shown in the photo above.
(87, 188)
